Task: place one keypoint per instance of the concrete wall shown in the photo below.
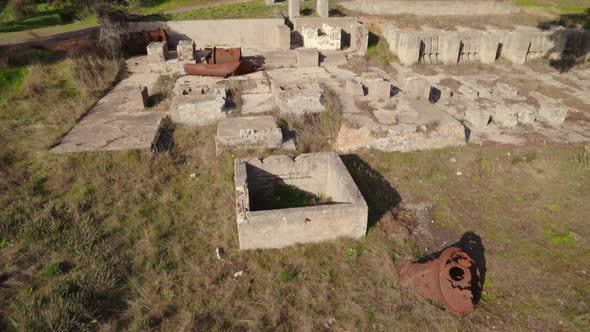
(251, 33)
(467, 45)
(431, 8)
(324, 173)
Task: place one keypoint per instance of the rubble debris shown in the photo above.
(453, 279)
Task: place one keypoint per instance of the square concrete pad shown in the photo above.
(322, 174)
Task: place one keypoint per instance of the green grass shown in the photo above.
(139, 233)
(20, 35)
(253, 9)
(36, 22)
(563, 6)
(11, 79)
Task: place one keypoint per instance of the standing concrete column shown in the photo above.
(322, 8)
(408, 50)
(450, 48)
(294, 8)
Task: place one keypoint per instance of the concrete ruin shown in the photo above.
(248, 133)
(354, 35)
(307, 58)
(322, 8)
(342, 213)
(197, 104)
(431, 8)
(186, 51)
(429, 45)
(327, 38)
(294, 10)
(299, 99)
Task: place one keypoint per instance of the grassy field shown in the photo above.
(126, 240)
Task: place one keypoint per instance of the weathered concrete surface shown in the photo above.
(359, 37)
(477, 117)
(430, 8)
(157, 52)
(198, 104)
(294, 10)
(419, 125)
(300, 99)
(323, 8)
(322, 173)
(327, 38)
(116, 122)
(307, 58)
(186, 50)
(248, 133)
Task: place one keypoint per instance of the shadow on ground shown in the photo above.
(379, 194)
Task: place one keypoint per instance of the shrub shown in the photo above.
(22, 9)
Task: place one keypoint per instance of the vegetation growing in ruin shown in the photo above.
(287, 196)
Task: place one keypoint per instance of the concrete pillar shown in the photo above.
(408, 48)
(450, 46)
(307, 57)
(294, 8)
(283, 34)
(517, 47)
(186, 51)
(488, 47)
(359, 38)
(142, 96)
(269, 2)
(322, 8)
(157, 52)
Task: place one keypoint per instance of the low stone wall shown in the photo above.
(321, 173)
(431, 8)
(486, 46)
(251, 33)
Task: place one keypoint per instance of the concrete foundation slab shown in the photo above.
(116, 122)
(300, 99)
(342, 214)
(248, 133)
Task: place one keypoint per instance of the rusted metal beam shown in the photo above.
(219, 70)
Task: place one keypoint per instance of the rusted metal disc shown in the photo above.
(447, 280)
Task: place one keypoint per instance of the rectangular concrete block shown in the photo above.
(408, 48)
(157, 52)
(307, 58)
(283, 34)
(488, 48)
(294, 10)
(342, 213)
(300, 99)
(517, 47)
(354, 88)
(379, 89)
(248, 133)
(322, 8)
(142, 96)
(359, 37)
(450, 47)
(186, 51)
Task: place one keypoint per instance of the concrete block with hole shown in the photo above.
(307, 58)
(282, 201)
(248, 133)
(157, 52)
(186, 51)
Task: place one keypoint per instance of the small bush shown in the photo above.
(22, 9)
